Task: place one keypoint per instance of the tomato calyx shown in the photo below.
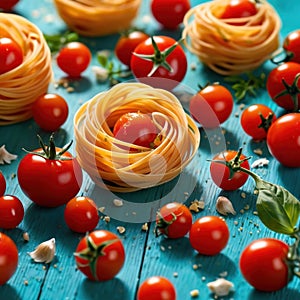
(159, 58)
(292, 90)
(91, 254)
(266, 122)
(49, 151)
(162, 224)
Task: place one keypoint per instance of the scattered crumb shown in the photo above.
(193, 66)
(196, 205)
(106, 219)
(145, 227)
(26, 282)
(121, 229)
(260, 163)
(258, 151)
(118, 202)
(243, 195)
(194, 293)
(175, 274)
(220, 287)
(195, 266)
(101, 209)
(26, 236)
(70, 89)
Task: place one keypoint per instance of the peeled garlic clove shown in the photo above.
(220, 287)
(5, 156)
(224, 206)
(44, 252)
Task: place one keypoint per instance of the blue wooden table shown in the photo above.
(146, 255)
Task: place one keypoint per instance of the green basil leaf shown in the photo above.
(103, 60)
(277, 208)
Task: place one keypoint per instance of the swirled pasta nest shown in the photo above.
(231, 46)
(109, 162)
(97, 18)
(21, 86)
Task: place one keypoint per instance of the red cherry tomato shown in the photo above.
(100, 255)
(291, 45)
(211, 106)
(50, 180)
(74, 58)
(143, 68)
(174, 220)
(11, 55)
(2, 184)
(81, 214)
(278, 81)
(239, 9)
(220, 173)
(126, 45)
(156, 288)
(7, 5)
(283, 140)
(11, 212)
(135, 128)
(256, 120)
(209, 235)
(50, 111)
(9, 258)
(170, 15)
(263, 264)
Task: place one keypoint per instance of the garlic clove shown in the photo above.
(224, 206)
(220, 287)
(5, 156)
(44, 252)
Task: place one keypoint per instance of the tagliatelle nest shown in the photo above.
(109, 162)
(21, 86)
(97, 18)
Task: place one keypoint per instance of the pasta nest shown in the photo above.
(109, 162)
(231, 46)
(97, 18)
(21, 86)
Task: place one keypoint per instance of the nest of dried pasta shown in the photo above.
(21, 86)
(97, 18)
(109, 162)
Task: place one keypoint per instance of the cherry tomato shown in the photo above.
(136, 128)
(8, 257)
(74, 58)
(211, 106)
(126, 45)
(50, 179)
(220, 173)
(174, 220)
(263, 264)
(11, 55)
(11, 212)
(256, 120)
(100, 255)
(291, 45)
(283, 139)
(7, 5)
(156, 288)
(2, 184)
(81, 214)
(239, 9)
(209, 235)
(170, 15)
(50, 111)
(143, 68)
(283, 85)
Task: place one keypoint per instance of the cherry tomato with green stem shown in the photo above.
(283, 85)
(159, 57)
(156, 288)
(11, 212)
(256, 120)
(136, 128)
(211, 106)
(100, 255)
(9, 258)
(221, 173)
(11, 55)
(291, 46)
(81, 214)
(50, 176)
(173, 220)
(50, 111)
(2, 184)
(263, 264)
(127, 43)
(8, 5)
(283, 140)
(209, 235)
(170, 15)
(239, 9)
(74, 58)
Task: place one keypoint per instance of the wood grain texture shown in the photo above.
(146, 255)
